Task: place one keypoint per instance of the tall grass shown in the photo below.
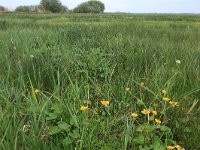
(80, 60)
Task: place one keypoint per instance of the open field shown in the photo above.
(51, 65)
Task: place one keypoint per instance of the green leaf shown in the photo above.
(187, 130)
(177, 125)
(156, 144)
(72, 122)
(64, 126)
(52, 116)
(67, 141)
(184, 120)
(139, 140)
(57, 109)
(54, 130)
(140, 128)
(171, 142)
(75, 134)
(140, 102)
(164, 129)
(150, 128)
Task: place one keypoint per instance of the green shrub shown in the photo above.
(52, 5)
(92, 6)
(26, 8)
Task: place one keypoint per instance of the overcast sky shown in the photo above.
(134, 6)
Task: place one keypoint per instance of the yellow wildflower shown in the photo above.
(145, 111)
(174, 104)
(134, 114)
(164, 91)
(142, 84)
(84, 108)
(37, 91)
(170, 147)
(158, 121)
(178, 147)
(105, 103)
(166, 99)
(127, 89)
(154, 112)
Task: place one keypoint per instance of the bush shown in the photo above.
(22, 9)
(27, 8)
(52, 5)
(92, 6)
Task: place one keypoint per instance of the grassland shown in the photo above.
(51, 65)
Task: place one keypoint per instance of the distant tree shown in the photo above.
(65, 9)
(23, 9)
(92, 6)
(31, 8)
(52, 5)
(40, 9)
(2, 8)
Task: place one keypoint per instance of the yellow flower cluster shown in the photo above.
(173, 104)
(177, 147)
(166, 99)
(104, 103)
(147, 112)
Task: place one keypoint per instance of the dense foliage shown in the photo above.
(103, 81)
(91, 6)
(26, 8)
(52, 5)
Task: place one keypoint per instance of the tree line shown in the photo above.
(55, 6)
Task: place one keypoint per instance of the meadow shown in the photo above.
(99, 81)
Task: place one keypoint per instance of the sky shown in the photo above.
(130, 6)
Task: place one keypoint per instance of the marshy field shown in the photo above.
(99, 81)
